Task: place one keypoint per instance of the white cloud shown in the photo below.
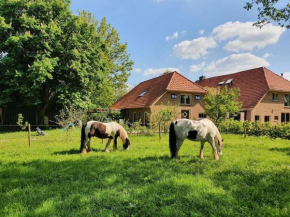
(137, 70)
(197, 68)
(246, 36)
(174, 36)
(151, 71)
(266, 55)
(201, 32)
(286, 75)
(194, 49)
(234, 63)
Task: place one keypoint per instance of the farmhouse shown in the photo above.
(151, 95)
(265, 96)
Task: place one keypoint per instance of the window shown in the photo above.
(185, 100)
(275, 96)
(257, 118)
(173, 96)
(143, 93)
(267, 118)
(287, 100)
(201, 115)
(221, 83)
(276, 118)
(197, 97)
(285, 117)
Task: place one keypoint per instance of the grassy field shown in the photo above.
(51, 178)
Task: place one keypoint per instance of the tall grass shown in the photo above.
(51, 178)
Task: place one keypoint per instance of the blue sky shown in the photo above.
(195, 38)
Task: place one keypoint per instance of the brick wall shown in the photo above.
(195, 108)
(268, 107)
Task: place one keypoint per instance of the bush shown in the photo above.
(256, 128)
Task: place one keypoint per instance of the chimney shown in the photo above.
(281, 74)
(201, 78)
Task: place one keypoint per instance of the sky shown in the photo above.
(193, 37)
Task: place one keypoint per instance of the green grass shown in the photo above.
(51, 178)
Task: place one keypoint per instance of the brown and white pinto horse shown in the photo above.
(111, 130)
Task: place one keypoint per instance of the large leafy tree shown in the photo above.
(53, 55)
(119, 64)
(221, 102)
(268, 11)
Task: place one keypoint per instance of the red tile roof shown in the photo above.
(253, 84)
(154, 89)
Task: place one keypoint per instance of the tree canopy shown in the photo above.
(221, 102)
(54, 56)
(268, 11)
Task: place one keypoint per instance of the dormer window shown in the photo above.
(143, 93)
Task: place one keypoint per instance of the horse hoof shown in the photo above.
(84, 151)
(106, 150)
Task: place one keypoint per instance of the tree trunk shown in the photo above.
(159, 131)
(41, 114)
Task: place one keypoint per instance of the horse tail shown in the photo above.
(172, 140)
(83, 137)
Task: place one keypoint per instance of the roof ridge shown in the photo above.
(234, 73)
(175, 72)
(275, 74)
(156, 77)
(266, 78)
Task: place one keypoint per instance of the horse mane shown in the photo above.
(123, 133)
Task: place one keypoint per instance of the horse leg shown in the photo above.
(178, 145)
(215, 154)
(89, 145)
(115, 148)
(108, 145)
(83, 146)
(201, 149)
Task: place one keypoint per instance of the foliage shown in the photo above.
(163, 117)
(70, 114)
(119, 64)
(20, 122)
(256, 128)
(51, 178)
(55, 56)
(221, 102)
(269, 11)
(106, 116)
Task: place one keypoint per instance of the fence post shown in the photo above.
(29, 129)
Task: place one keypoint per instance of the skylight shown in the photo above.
(222, 82)
(229, 81)
(143, 93)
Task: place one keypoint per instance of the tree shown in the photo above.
(268, 11)
(119, 63)
(221, 102)
(163, 117)
(53, 56)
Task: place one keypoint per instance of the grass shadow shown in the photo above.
(284, 150)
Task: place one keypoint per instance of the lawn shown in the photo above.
(51, 178)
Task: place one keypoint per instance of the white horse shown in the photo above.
(111, 130)
(202, 130)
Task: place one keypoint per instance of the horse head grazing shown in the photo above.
(124, 136)
(126, 145)
(220, 147)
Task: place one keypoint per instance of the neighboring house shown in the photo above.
(265, 95)
(150, 95)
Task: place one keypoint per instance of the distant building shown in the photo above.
(150, 95)
(265, 95)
